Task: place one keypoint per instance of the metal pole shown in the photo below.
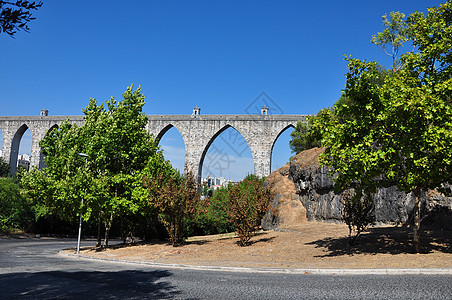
(79, 230)
(81, 209)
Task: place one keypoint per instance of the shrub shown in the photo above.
(358, 212)
(248, 202)
(176, 198)
(213, 214)
(5, 170)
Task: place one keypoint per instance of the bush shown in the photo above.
(248, 202)
(213, 214)
(5, 170)
(14, 209)
(176, 198)
(358, 212)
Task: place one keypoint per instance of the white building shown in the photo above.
(215, 182)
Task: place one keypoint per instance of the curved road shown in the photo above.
(32, 269)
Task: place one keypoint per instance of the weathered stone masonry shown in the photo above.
(197, 131)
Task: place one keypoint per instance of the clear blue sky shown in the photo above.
(218, 55)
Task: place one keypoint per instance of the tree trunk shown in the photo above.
(417, 219)
(107, 230)
(99, 233)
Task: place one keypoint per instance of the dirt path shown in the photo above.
(309, 245)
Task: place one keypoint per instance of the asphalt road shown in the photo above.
(32, 269)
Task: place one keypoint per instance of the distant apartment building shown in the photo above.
(215, 182)
(23, 160)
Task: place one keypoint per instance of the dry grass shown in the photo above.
(308, 245)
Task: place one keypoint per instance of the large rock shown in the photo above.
(315, 186)
(314, 189)
(287, 208)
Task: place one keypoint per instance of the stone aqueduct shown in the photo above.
(197, 131)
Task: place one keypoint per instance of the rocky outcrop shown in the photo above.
(314, 188)
(287, 208)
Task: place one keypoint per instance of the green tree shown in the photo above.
(110, 181)
(399, 132)
(352, 145)
(418, 111)
(14, 16)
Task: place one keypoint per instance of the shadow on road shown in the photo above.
(388, 240)
(87, 285)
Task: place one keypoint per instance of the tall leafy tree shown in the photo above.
(399, 132)
(15, 15)
(109, 180)
(418, 111)
(352, 144)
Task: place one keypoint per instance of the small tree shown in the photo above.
(248, 202)
(176, 197)
(358, 212)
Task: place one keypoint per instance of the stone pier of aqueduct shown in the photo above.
(197, 131)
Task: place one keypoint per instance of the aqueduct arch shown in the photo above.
(197, 131)
(212, 140)
(277, 137)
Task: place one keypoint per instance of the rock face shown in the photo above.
(287, 208)
(314, 188)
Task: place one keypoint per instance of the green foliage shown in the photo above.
(176, 197)
(248, 202)
(14, 209)
(349, 136)
(15, 15)
(303, 137)
(5, 170)
(212, 215)
(109, 181)
(312, 133)
(399, 131)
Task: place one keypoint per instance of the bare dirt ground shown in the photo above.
(307, 245)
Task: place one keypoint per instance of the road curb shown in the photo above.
(407, 271)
